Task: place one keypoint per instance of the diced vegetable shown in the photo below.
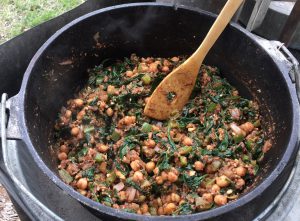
(89, 129)
(146, 127)
(115, 136)
(185, 150)
(65, 176)
(146, 79)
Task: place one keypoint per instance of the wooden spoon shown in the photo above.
(175, 89)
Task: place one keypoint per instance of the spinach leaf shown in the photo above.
(129, 143)
(82, 152)
(184, 209)
(130, 182)
(129, 210)
(106, 200)
(224, 144)
(123, 168)
(156, 82)
(193, 182)
(171, 142)
(163, 162)
(89, 173)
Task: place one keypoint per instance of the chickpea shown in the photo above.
(150, 143)
(241, 171)
(153, 67)
(169, 208)
(172, 177)
(215, 189)
(68, 113)
(120, 175)
(239, 183)
(159, 180)
(159, 202)
(111, 89)
(165, 69)
(150, 166)
(135, 206)
(168, 199)
(220, 200)
(62, 156)
(129, 74)
(164, 175)
(122, 195)
(82, 192)
(199, 166)
(247, 127)
(222, 181)
(156, 170)
(109, 112)
(175, 197)
(128, 120)
(174, 170)
(208, 197)
(209, 169)
(64, 148)
(102, 147)
(133, 119)
(116, 206)
(80, 115)
(102, 105)
(138, 176)
(149, 152)
(78, 102)
(160, 211)
(75, 131)
(187, 141)
(175, 59)
(82, 183)
(135, 165)
(102, 167)
(144, 208)
(228, 172)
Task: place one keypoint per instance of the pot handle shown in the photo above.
(38, 211)
(295, 69)
(11, 109)
(282, 55)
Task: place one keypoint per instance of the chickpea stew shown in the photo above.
(203, 157)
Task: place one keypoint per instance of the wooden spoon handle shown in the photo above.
(217, 28)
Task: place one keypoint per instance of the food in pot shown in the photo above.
(201, 158)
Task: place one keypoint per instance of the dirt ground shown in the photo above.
(7, 210)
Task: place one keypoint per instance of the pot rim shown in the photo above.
(258, 190)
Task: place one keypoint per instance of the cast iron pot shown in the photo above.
(59, 67)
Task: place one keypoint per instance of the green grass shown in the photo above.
(17, 16)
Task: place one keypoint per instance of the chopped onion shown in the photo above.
(235, 113)
(159, 124)
(157, 149)
(131, 193)
(236, 129)
(118, 187)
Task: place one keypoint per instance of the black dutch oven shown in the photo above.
(59, 67)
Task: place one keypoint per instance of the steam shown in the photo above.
(143, 19)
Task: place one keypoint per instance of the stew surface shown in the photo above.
(201, 158)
